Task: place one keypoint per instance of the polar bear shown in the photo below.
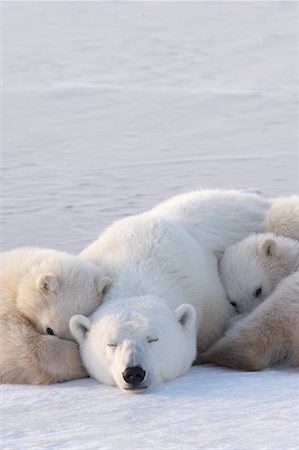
(283, 218)
(137, 342)
(261, 274)
(40, 289)
(268, 335)
(171, 251)
(252, 268)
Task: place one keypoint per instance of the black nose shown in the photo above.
(134, 375)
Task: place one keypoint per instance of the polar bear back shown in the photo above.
(215, 218)
(150, 255)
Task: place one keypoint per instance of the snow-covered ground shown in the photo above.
(210, 408)
(109, 108)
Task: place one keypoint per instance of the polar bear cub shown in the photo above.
(135, 343)
(40, 290)
(261, 277)
(252, 268)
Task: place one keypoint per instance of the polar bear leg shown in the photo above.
(29, 357)
(58, 358)
(269, 335)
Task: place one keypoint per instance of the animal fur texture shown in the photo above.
(168, 254)
(40, 290)
(262, 281)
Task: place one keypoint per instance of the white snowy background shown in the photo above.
(107, 109)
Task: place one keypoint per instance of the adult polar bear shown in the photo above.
(170, 253)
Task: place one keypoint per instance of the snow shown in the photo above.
(109, 108)
(209, 408)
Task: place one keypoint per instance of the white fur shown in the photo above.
(260, 261)
(170, 253)
(135, 333)
(48, 287)
(267, 336)
(283, 218)
(41, 289)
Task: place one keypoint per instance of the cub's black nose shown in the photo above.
(134, 375)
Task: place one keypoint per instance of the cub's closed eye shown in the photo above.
(258, 292)
(50, 331)
(112, 345)
(152, 340)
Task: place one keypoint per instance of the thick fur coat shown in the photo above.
(171, 251)
(40, 290)
(262, 281)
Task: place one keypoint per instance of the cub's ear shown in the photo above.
(103, 284)
(47, 282)
(79, 325)
(268, 248)
(186, 316)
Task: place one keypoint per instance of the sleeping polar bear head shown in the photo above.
(138, 342)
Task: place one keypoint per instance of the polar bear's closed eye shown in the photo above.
(150, 341)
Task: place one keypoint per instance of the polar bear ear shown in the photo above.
(268, 248)
(47, 282)
(103, 284)
(186, 316)
(79, 326)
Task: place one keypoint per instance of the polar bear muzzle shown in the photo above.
(134, 376)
